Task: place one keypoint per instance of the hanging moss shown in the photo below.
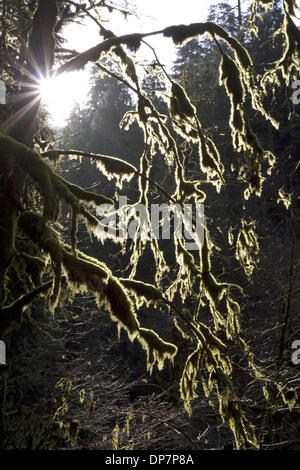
(210, 162)
(185, 130)
(188, 272)
(247, 247)
(181, 33)
(231, 78)
(266, 3)
(209, 339)
(284, 197)
(85, 268)
(212, 289)
(81, 271)
(210, 358)
(185, 123)
(243, 431)
(110, 46)
(142, 291)
(180, 105)
(90, 55)
(34, 226)
(84, 273)
(157, 349)
(134, 42)
(121, 307)
(187, 260)
(189, 382)
(115, 167)
(233, 326)
(15, 156)
(183, 113)
(126, 61)
(241, 54)
(290, 58)
(188, 189)
(115, 437)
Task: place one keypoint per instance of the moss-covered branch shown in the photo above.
(109, 166)
(88, 274)
(17, 160)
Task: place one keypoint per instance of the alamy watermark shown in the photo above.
(296, 352)
(2, 92)
(2, 353)
(160, 221)
(296, 93)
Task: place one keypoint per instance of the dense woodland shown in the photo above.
(140, 343)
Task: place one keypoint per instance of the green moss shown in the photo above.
(83, 269)
(284, 197)
(186, 259)
(31, 163)
(210, 162)
(157, 349)
(121, 307)
(188, 189)
(231, 78)
(233, 319)
(210, 339)
(83, 272)
(143, 292)
(189, 382)
(115, 167)
(181, 33)
(15, 154)
(247, 247)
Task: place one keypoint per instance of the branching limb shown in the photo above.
(12, 314)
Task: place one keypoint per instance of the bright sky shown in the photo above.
(154, 15)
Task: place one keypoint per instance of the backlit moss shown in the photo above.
(157, 349)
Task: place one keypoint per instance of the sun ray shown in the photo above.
(14, 119)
